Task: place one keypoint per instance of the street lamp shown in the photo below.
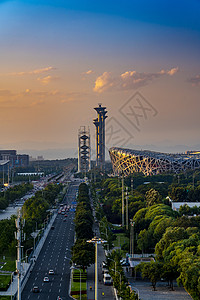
(134, 288)
(114, 262)
(132, 238)
(95, 240)
(26, 252)
(72, 267)
(120, 279)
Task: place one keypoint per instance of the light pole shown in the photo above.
(126, 208)
(132, 238)
(114, 262)
(72, 267)
(122, 199)
(134, 288)
(96, 241)
(120, 279)
(104, 225)
(11, 283)
(26, 252)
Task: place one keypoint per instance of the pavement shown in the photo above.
(146, 292)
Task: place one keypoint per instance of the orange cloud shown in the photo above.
(47, 79)
(33, 72)
(128, 80)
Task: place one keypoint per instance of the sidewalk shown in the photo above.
(145, 290)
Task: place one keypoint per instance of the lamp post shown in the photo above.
(26, 252)
(126, 208)
(114, 262)
(11, 283)
(104, 225)
(72, 267)
(96, 241)
(132, 238)
(120, 279)
(122, 199)
(134, 288)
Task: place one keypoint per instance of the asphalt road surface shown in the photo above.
(52, 257)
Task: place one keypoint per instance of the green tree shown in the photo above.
(83, 253)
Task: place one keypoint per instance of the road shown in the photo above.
(52, 256)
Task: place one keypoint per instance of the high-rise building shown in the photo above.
(99, 122)
(84, 150)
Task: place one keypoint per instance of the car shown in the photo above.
(51, 272)
(35, 289)
(64, 220)
(59, 298)
(107, 280)
(65, 215)
(46, 279)
(52, 227)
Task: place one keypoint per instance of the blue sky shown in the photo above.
(60, 58)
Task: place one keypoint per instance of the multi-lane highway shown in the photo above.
(53, 257)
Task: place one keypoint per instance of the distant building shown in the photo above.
(15, 160)
(99, 122)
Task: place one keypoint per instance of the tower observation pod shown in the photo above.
(99, 122)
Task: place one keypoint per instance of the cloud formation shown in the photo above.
(33, 72)
(47, 79)
(195, 81)
(88, 72)
(128, 80)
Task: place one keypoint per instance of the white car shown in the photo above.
(46, 279)
(51, 272)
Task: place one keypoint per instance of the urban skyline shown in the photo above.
(54, 71)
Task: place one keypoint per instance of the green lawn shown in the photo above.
(4, 282)
(75, 286)
(9, 266)
(5, 297)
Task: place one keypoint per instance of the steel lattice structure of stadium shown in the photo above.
(128, 161)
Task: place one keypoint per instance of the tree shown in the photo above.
(83, 253)
(152, 197)
(151, 270)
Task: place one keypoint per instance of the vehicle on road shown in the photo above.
(107, 280)
(51, 272)
(35, 289)
(46, 279)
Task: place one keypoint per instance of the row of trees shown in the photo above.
(82, 251)
(171, 236)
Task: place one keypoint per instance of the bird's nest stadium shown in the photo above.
(129, 161)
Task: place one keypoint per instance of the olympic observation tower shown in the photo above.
(99, 122)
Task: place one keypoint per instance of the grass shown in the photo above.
(5, 297)
(10, 265)
(75, 286)
(4, 282)
(121, 239)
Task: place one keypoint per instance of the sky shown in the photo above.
(60, 59)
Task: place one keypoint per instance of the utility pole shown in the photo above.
(18, 262)
(122, 199)
(132, 238)
(132, 186)
(126, 208)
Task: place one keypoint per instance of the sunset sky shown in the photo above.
(59, 59)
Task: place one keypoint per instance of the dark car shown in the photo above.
(36, 289)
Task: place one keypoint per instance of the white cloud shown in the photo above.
(128, 80)
(88, 72)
